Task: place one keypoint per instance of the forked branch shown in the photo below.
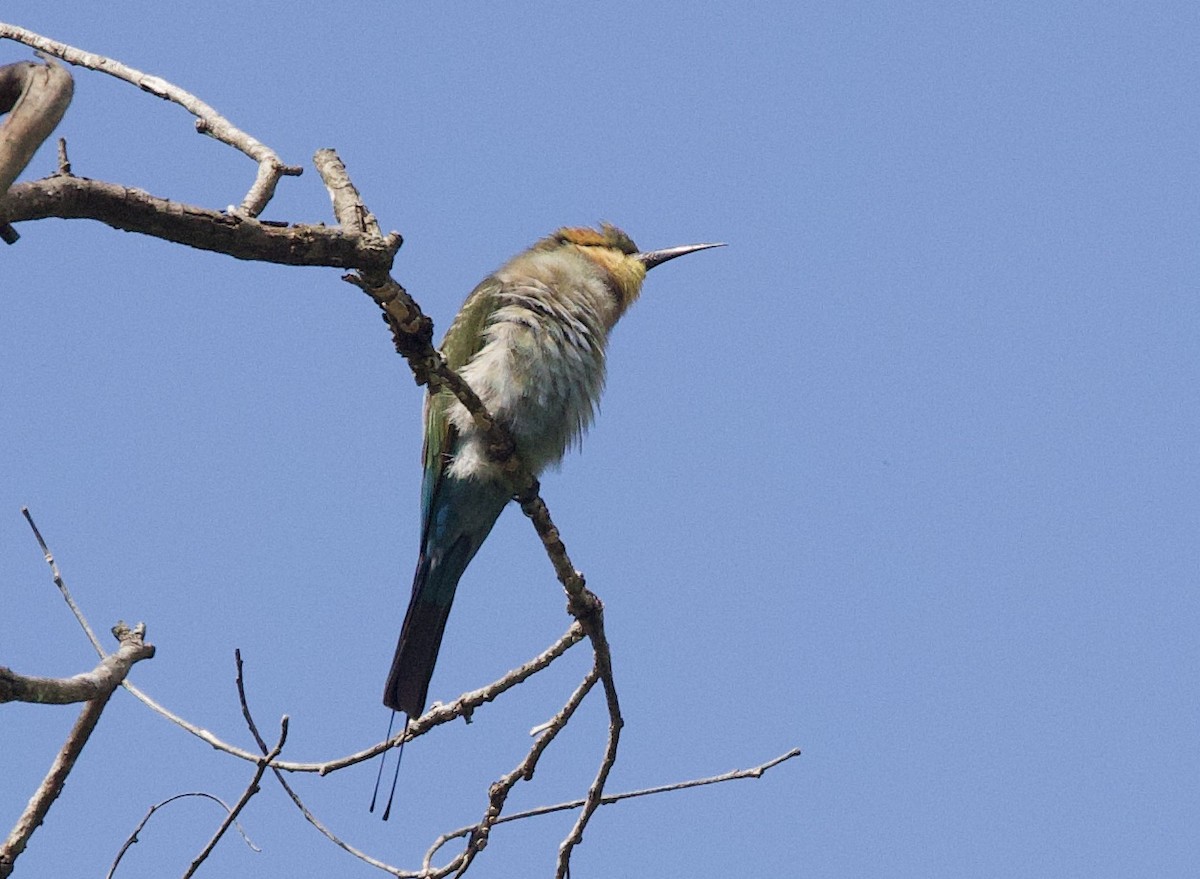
(52, 785)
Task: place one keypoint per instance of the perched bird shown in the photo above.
(530, 342)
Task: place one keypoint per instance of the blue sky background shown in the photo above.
(907, 476)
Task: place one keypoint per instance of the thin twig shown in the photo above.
(463, 706)
(133, 837)
(587, 608)
(609, 799)
(592, 802)
(304, 810)
(61, 584)
(251, 790)
(498, 792)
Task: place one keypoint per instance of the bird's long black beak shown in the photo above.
(652, 258)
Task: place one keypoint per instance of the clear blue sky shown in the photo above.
(907, 476)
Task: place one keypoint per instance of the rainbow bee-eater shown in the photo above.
(530, 342)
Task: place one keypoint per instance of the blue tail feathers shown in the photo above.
(459, 517)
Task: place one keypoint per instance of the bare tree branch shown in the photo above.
(251, 790)
(97, 683)
(609, 799)
(236, 235)
(62, 584)
(208, 120)
(498, 793)
(594, 794)
(295, 798)
(52, 785)
(464, 706)
(133, 837)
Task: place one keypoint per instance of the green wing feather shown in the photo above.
(463, 341)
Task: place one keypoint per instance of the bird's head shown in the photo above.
(617, 256)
